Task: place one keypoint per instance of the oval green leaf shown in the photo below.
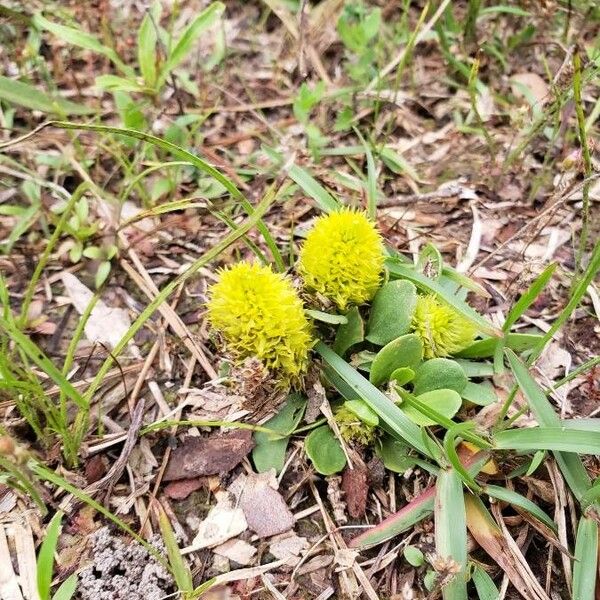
(404, 351)
(325, 451)
(363, 412)
(437, 374)
(350, 333)
(445, 402)
(392, 311)
(402, 376)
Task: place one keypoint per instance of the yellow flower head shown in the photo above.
(442, 330)
(342, 258)
(260, 315)
(352, 429)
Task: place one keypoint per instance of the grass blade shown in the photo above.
(586, 560)
(549, 438)
(570, 464)
(179, 568)
(396, 420)
(24, 94)
(451, 530)
(485, 348)
(484, 584)
(325, 201)
(67, 588)
(429, 285)
(45, 560)
(146, 47)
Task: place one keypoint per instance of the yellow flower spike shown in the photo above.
(342, 258)
(442, 330)
(260, 315)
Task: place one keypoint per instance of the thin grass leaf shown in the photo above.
(146, 47)
(325, 201)
(431, 286)
(585, 567)
(514, 498)
(451, 530)
(396, 420)
(570, 464)
(77, 37)
(179, 567)
(67, 588)
(43, 362)
(45, 560)
(549, 438)
(24, 94)
(485, 348)
(484, 584)
(371, 178)
(204, 21)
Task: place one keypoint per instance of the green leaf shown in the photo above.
(476, 368)
(519, 342)
(362, 411)
(394, 454)
(404, 351)
(146, 44)
(350, 333)
(439, 373)
(451, 530)
(570, 464)
(269, 453)
(77, 37)
(325, 451)
(549, 438)
(402, 376)
(414, 556)
(484, 584)
(430, 262)
(482, 394)
(114, 83)
(67, 588)
(24, 94)
(514, 498)
(398, 423)
(391, 312)
(179, 567)
(45, 560)
(446, 402)
(102, 273)
(204, 21)
(319, 315)
(325, 201)
(431, 286)
(586, 559)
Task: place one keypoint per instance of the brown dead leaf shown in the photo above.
(201, 456)
(95, 468)
(539, 88)
(236, 550)
(356, 489)
(264, 507)
(181, 489)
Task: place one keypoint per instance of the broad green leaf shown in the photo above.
(430, 261)
(362, 411)
(402, 376)
(414, 556)
(482, 394)
(404, 271)
(114, 83)
(404, 351)
(398, 423)
(25, 94)
(325, 317)
(325, 451)
(350, 333)
(484, 584)
(438, 373)
(476, 368)
(451, 531)
(445, 402)
(85, 40)
(325, 201)
(269, 453)
(585, 566)
(45, 560)
(549, 438)
(394, 454)
(202, 22)
(391, 311)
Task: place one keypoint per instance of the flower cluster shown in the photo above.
(442, 330)
(260, 315)
(342, 258)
